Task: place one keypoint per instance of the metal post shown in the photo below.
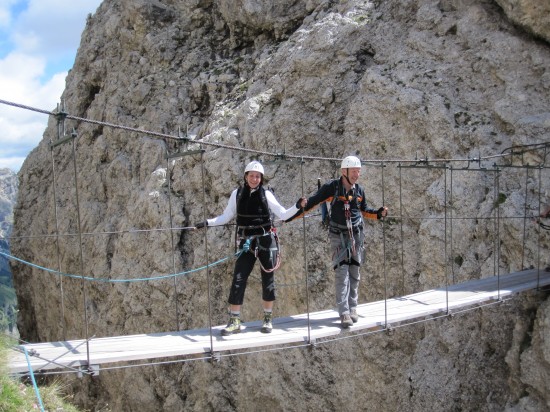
(384, 252)
(451, 225)
(402, 235)
(168, 174)
(446, 254)
(524, 219)
(206, 254)
(497, 230)
(85, 299)
(539, 230)
(305, 254)
(57, 237)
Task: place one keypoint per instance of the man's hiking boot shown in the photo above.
(267, 326)
(346, 321)
(353, 315)
(233, 326)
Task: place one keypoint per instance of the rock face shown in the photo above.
(391, 82)
(8, 194)
(532, 16)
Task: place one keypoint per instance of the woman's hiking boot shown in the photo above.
(233, 326)
(267, 326)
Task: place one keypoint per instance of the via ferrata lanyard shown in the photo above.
(347, 214)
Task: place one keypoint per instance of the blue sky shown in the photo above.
(38, 44)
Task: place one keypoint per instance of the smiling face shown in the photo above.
(352, 174)
(253, 179)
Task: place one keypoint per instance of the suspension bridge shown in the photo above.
(456, 293)
(90, 356)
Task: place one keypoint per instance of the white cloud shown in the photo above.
(20, 129)
(13, 163)
(5, 12)
(59, 32)
(41, 41)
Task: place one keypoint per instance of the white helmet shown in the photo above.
(350, 161)
(254, 166)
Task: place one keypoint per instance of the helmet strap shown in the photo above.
(346, 176)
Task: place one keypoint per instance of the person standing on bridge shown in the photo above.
(257, 239)
(345, 231)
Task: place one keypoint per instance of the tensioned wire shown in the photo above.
(242, 149)
(176, 228)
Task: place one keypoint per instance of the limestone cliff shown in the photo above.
(386, 80)
(8, 193)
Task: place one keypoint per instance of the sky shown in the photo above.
(38, 44)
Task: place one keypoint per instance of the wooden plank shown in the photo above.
(288, 330)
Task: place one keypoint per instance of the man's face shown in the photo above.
(352, 174)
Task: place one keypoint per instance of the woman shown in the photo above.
(257, 239)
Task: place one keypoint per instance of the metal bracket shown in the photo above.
(72, 136)
(91, 370)
(215, 357)
(186, 153)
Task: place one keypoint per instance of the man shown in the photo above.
(348, 207)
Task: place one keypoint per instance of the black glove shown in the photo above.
(379, 213)
(200, 225)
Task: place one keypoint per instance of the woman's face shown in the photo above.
(253, 179)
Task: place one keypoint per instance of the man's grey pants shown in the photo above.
(346, 268)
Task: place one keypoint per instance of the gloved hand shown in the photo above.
(200, 225)
(382, 212)
(301, 203)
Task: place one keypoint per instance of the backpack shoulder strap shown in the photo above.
(239, 195)
(265, 202)
(337, 190)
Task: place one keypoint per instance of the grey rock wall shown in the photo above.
(387, 81)
(8, 194)
(532, 16)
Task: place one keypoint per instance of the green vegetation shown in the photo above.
(17, 396)
(8, 302)
(501, 198)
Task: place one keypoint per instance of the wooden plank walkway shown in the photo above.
(289, 330)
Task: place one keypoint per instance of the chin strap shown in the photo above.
(347, 178)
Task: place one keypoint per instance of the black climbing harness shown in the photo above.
(348, 246)
(252, 244)
(249, 237)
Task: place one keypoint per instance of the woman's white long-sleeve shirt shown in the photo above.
(231, 209)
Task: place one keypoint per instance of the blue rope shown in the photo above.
(31, 373)
(7, 256)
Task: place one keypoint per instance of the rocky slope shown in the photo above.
(8, 301)
(387, 81)
(8, 193)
